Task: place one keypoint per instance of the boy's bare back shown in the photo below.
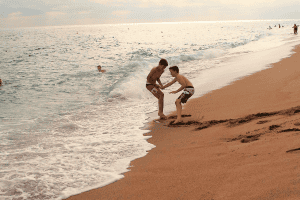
(183, 80)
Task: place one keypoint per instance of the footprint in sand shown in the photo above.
(293, 150)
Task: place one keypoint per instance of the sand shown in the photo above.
(238, 142)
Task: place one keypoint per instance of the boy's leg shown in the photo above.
(187, 93)
(160, 96)
(179, 109)
(161, 105)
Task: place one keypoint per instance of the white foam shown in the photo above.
(74, 191)
(239, 66)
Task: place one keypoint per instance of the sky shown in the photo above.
(31, 13)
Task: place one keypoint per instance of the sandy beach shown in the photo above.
(238, 142)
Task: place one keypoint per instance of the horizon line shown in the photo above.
(166, 22)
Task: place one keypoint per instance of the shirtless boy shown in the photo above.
(186, 86)
(151, 85)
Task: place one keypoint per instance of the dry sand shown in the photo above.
(238, 142)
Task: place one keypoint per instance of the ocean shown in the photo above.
(66, 128)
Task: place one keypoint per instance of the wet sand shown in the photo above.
(238, 142)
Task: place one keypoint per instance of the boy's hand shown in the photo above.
(173, 92)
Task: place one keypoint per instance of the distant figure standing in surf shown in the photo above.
(295, 28)
(0, 82)
(151, 85)
(186, 86)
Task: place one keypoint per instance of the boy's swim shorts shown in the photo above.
(186, 94)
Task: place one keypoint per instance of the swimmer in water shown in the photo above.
(99, 69)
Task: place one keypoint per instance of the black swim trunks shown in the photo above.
(153, 90)
(186, 94)
(147, 83)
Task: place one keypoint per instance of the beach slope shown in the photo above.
(238, 142)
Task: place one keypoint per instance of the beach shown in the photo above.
(237, 142)
(66, 129)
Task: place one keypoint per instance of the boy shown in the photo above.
(99, 69)
(186, 86)
(151, 85)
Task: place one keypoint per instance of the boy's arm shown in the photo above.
(181, 88)
(158, 80)
(169, 84)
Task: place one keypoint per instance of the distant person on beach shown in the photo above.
(99, 69)
(151, 85)
(0, 82)
(279, 25)
(186, 86)
(295, 28)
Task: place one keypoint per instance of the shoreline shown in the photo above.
(227, 73)
(240, 142)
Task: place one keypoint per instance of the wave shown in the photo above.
(133, 78)
(131, 86)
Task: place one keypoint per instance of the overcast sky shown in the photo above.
(27, 13)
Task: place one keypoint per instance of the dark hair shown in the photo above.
(163, 62)
(174, 68)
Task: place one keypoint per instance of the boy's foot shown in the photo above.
(172, 123)
(177, 121)
(162, 116)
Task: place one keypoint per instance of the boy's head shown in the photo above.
(163, 62)
(174, 70)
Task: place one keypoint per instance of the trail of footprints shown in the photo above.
(288, 126)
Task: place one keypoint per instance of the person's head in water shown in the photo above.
(174, 71)
(99, 69)
(163, 62)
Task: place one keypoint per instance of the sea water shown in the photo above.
(66, 128)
